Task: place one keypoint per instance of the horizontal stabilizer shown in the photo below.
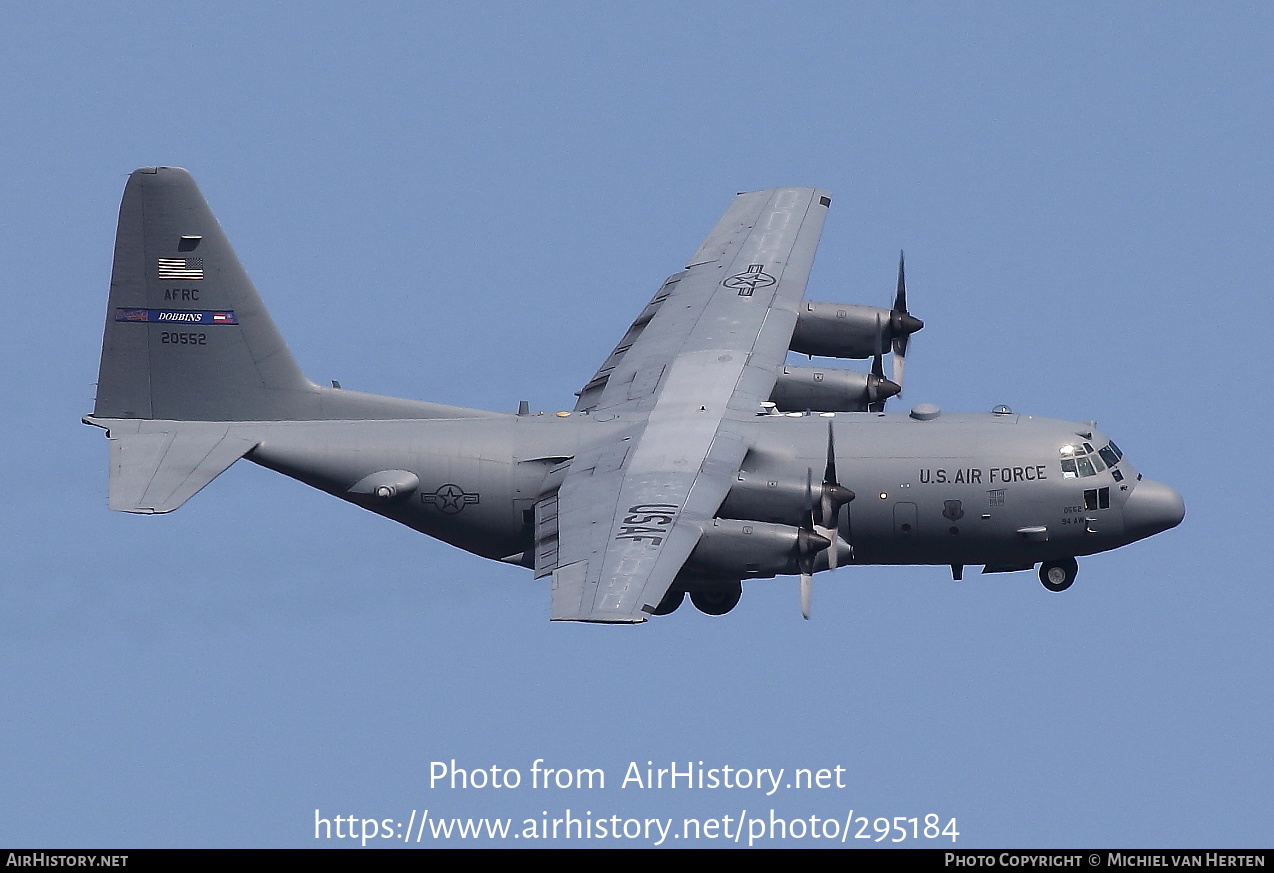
(159, 471)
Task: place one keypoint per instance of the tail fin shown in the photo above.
(187, 337)
(190, 350)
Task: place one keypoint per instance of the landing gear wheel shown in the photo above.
(672, 599)
(1058, 575)
(717, 600)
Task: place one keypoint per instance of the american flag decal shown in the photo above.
(181, 268)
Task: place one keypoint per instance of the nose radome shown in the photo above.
(1152, 507)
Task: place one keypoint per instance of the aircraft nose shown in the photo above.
(1152, 507)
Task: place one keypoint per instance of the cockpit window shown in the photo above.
(1081, 461)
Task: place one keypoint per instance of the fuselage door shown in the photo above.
(905, 520)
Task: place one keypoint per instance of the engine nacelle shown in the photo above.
(848, 330)
(752, 549)
(767, 498)
(826, 389)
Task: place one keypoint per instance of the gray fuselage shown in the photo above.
(965, 488)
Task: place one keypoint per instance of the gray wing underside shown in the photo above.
(624, 535)
(629, 511)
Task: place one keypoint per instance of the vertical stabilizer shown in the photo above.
(187, 337)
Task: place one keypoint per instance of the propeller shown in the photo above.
(880, 389)
(834, 496)
(901, 324)
(808, 544)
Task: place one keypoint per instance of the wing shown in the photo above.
(739, 292)
(629, 510)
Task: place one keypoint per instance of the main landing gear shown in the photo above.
(717, 599)
(1059, 575)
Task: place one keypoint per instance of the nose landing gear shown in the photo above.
(1058, 575)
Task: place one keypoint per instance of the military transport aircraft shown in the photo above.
(695, 458)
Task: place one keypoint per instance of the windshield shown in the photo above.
(1080, 460)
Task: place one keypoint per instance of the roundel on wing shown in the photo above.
(749, 280)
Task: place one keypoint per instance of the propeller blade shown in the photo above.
(834, 496)
(828, 508)
(900, 298)
(809, 543)
(875, 396)
(829, 472)
(901, 324)
(877, 361)
(849, 532)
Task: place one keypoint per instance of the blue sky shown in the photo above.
(469, 206)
